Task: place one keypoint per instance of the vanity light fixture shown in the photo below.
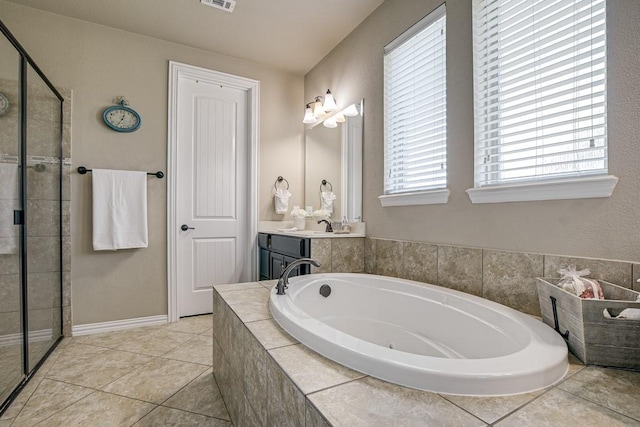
(350, 111)
(309, 118)
(330, 122)
(329, 103)
(319, 108)
(339, 116)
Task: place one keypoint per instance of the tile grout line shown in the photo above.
(632, 417)
(66, 407)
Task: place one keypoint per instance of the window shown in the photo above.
(540, 97)
(415, 114)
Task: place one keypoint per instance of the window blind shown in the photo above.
(415, 112)
(540, 89)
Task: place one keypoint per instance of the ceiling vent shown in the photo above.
(226, 5)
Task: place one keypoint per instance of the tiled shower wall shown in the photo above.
(508, 278)
(43, 233)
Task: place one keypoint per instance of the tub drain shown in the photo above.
(325, 290)
(392, 345)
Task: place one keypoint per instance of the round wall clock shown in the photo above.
(122, 118)
(4, 104)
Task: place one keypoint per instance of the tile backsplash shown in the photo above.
(505, 277)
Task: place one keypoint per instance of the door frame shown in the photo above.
(252, 87)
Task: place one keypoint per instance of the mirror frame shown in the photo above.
(352, 140)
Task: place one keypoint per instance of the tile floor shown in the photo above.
(149, 376)
(162, 376)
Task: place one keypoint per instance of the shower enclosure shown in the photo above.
(31, 262)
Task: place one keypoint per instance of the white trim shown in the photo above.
(117, 325)
(575, 188)
(252, 87)
(34, 336)
(433, 197)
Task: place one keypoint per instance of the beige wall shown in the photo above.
(601, 228)
(99, 63)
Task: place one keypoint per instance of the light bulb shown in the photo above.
(317, 108)
(330, 122)
(329, 102)
(308, 116)
(351, 110)
(339, 117)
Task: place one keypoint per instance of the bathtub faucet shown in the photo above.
(283, 281)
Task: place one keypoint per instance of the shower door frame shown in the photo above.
(25, 61)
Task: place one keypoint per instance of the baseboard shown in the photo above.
(116, 325)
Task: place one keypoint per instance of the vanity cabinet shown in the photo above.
(276, 252)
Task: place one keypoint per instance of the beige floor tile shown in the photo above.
(96, 370)
(5, 423)
(100, 409)
(157, 380)
(616, 389)
(193, 324)
(559, 408)
(201, 396)
(371, 402)
(115, 338)
(77, 349)
(50, 397)
(162, 416)
(157, 343)
(491, 409)
(207, 332)
(198, 349)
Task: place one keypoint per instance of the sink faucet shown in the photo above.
(283, 281)
(328, 229)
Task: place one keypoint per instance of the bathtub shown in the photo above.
(421, 336)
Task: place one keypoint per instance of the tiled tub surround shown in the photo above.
(340, 255)
(508, 278)
(269, 379)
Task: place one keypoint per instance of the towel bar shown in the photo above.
(82, 170)
(325, 183)
(279, 180)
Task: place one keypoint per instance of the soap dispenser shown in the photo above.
(346, 228)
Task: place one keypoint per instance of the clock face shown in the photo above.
(121, 119)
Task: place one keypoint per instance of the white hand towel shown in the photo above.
(282, 201)
(327, 200)
(8, 203)
(119, 210)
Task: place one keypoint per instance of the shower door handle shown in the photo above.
(185, 227)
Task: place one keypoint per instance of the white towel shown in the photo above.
(119, 210)
(282, 201)
(8, 203)
(327, 198)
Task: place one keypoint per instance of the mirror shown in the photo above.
(335, 155)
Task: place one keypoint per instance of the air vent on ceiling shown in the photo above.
(226, 5)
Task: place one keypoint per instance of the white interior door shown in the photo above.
(212, 191)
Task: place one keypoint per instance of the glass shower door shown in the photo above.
(43, 163)
(11, 336)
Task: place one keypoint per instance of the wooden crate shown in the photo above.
(593, 338)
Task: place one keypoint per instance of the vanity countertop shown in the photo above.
(278, 227)
(313, 234)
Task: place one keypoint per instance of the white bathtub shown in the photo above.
(421, 336)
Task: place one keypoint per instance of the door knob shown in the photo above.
(185, 227)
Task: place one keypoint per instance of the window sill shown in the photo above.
(433, 197)
(577, 188)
